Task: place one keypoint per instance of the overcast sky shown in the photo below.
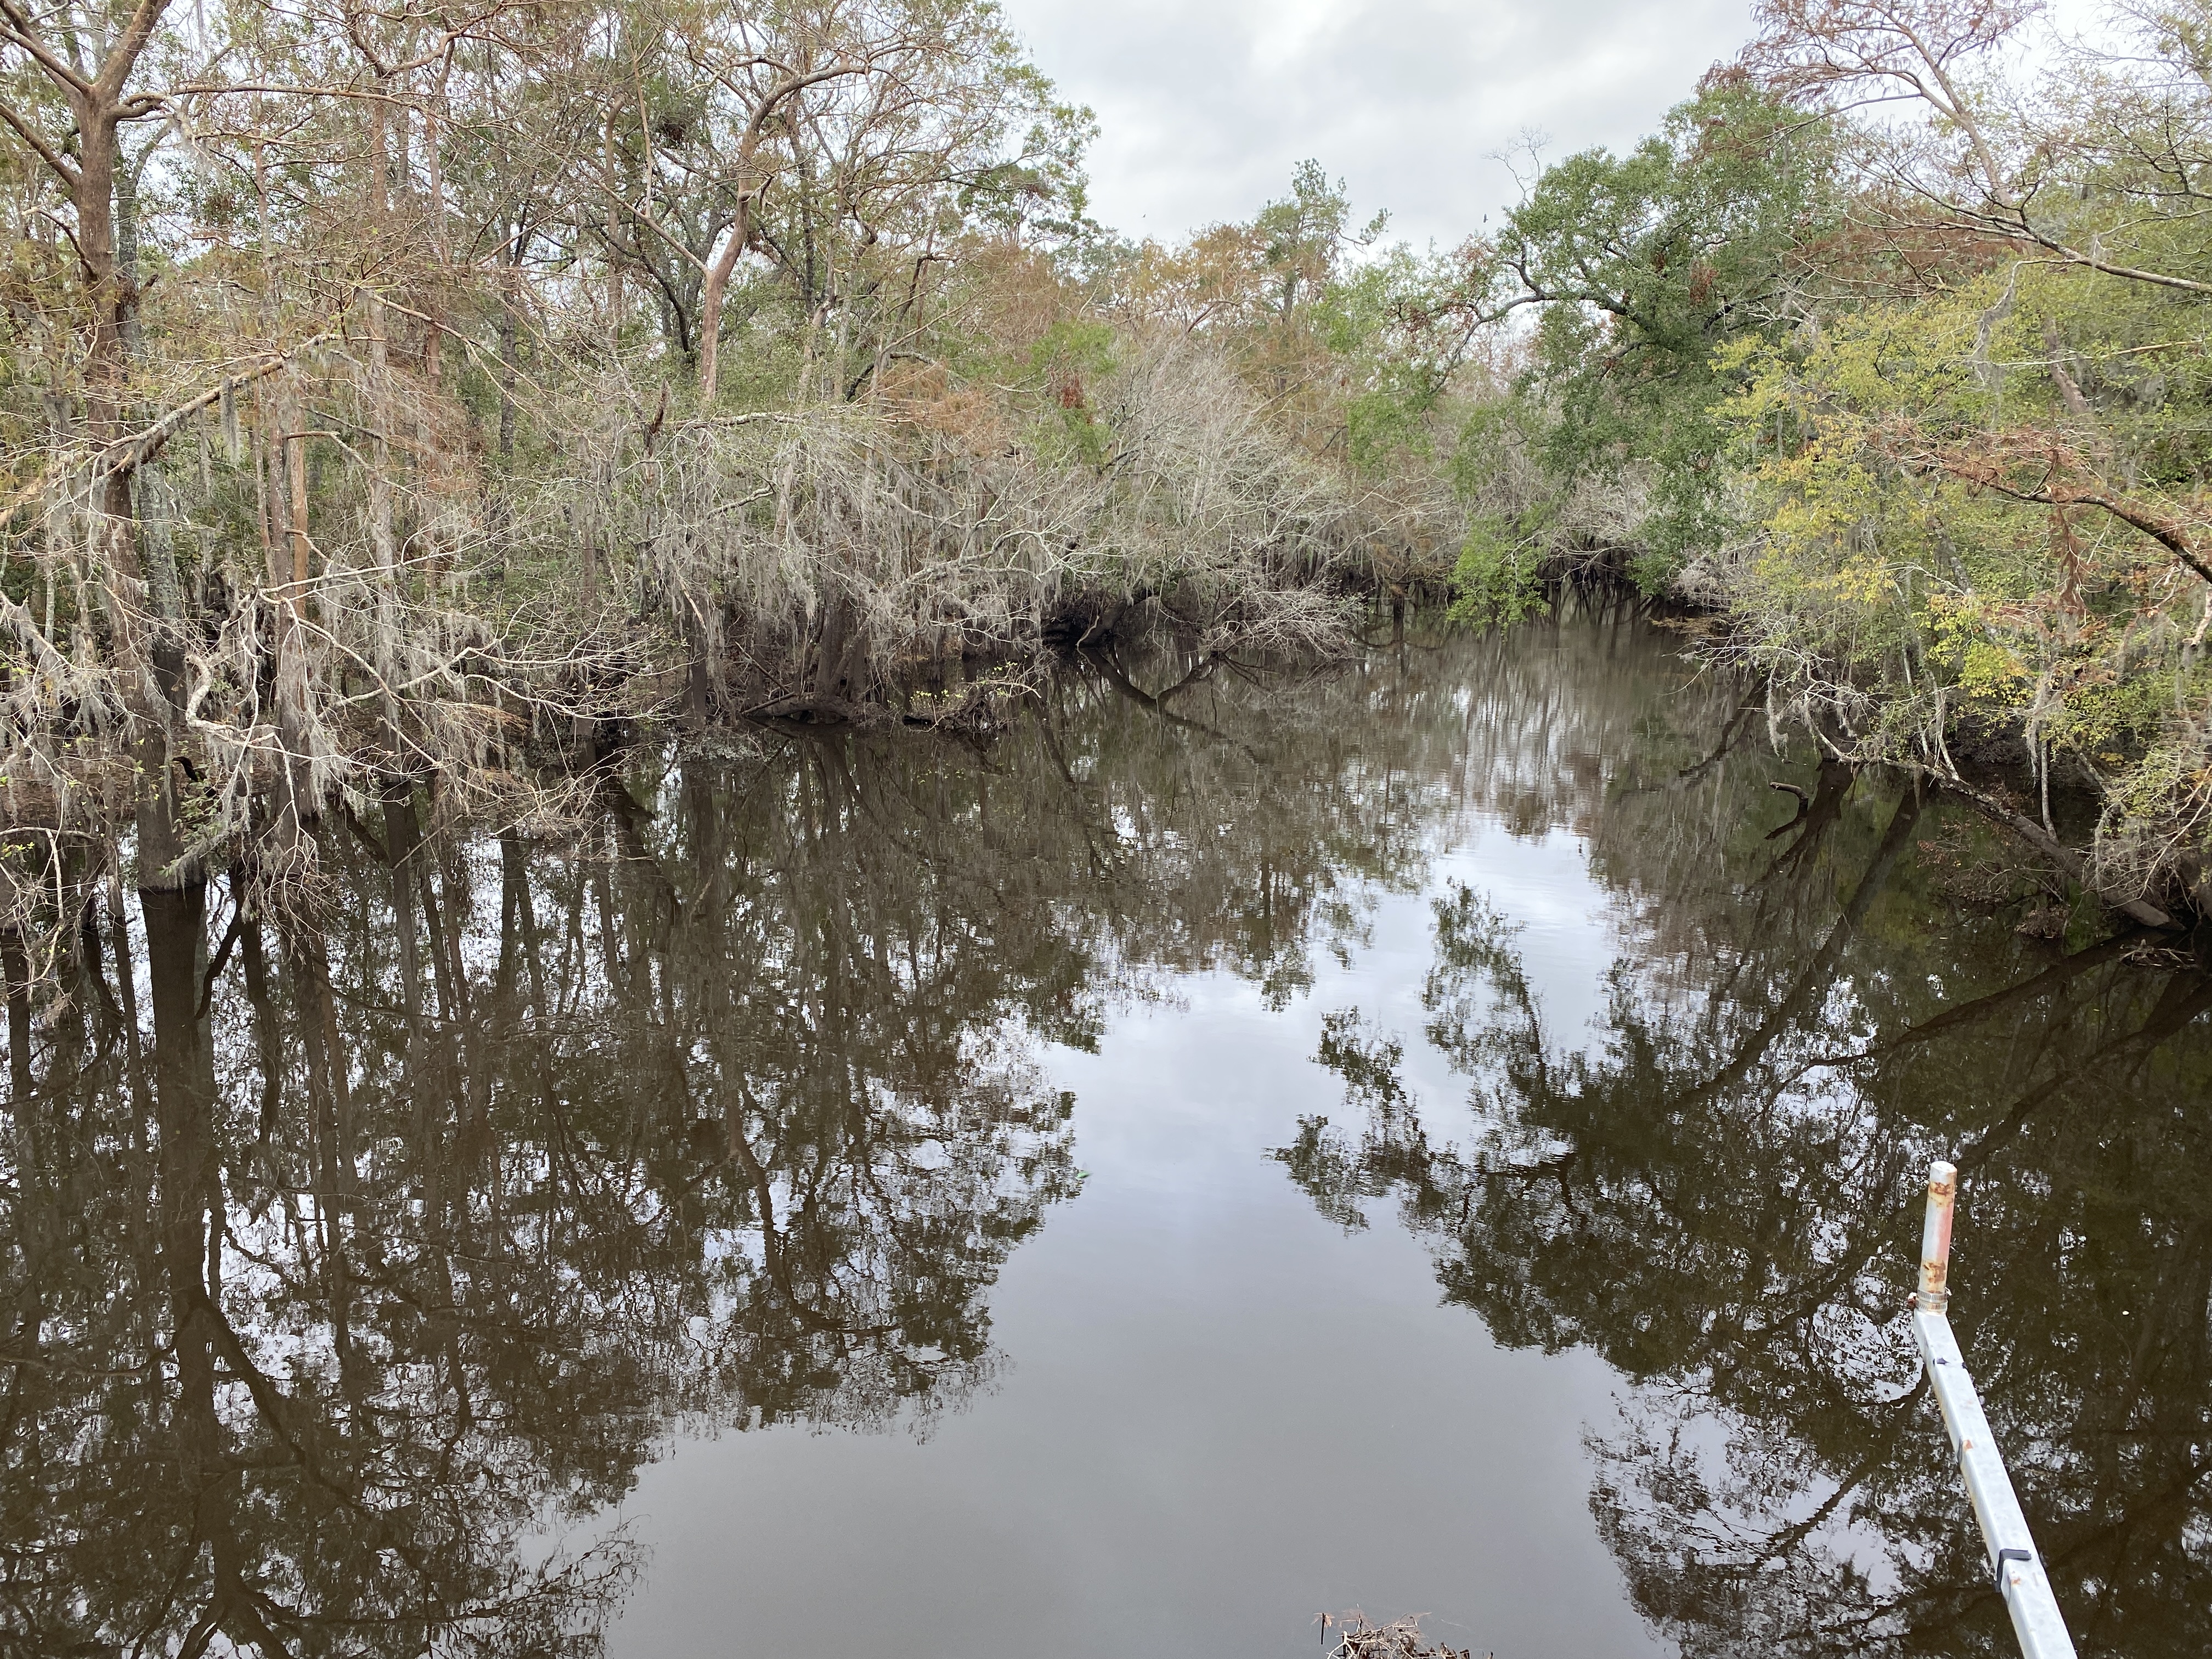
(1206, 105)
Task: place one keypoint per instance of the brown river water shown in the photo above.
(1424, 1139)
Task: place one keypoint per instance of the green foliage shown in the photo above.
(1380, 321)
(1642, 267)
(1913, 470)
(1928, 412)
(1498, 580)
(1067, 359)
(1302, 237)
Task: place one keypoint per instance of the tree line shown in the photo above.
(419, 398)
(1889, 351)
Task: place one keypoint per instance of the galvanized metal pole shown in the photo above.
(2019, 1576)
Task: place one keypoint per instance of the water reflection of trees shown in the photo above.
(1715, 1193)
(348, 1257)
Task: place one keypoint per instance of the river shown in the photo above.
(1436, 1136)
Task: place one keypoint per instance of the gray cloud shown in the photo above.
(1207, 105)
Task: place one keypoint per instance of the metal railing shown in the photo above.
(2019, 1576)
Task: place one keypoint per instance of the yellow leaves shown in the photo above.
(1991, 673)
(1940, 364)
(1856, 442)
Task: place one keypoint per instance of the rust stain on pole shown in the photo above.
(1935, 1238)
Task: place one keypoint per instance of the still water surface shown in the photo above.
(1439, 1138)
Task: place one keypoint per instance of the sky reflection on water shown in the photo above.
(1436, 1138)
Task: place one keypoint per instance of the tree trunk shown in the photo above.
(711, 292)
(383, 546)
(118, 572)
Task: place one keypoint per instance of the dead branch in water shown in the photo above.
(1399, 1639)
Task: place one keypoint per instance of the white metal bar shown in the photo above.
(2020, 1578)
